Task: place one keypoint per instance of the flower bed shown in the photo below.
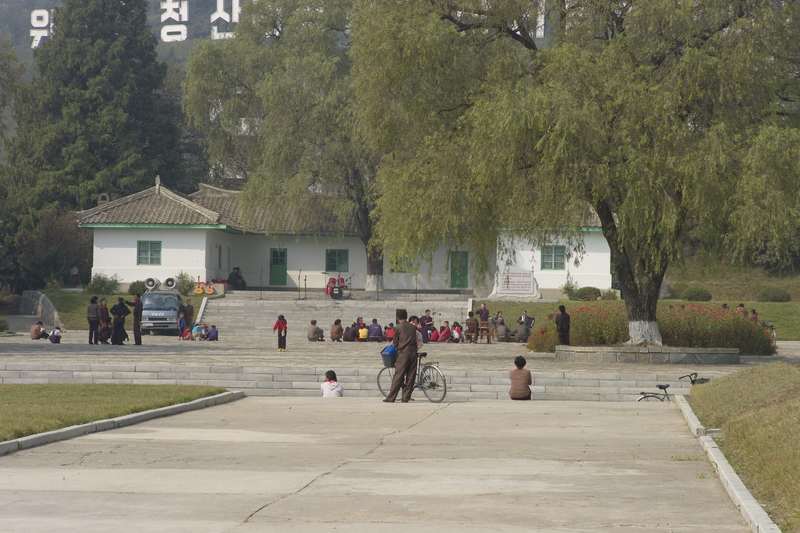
(690, 325)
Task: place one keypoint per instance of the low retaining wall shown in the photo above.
(37, 303)
(648, 354)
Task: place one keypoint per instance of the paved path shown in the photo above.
(297, 465)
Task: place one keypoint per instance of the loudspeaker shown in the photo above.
(170, 283)
(151, 283)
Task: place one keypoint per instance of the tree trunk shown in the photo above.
(374, 281)
(639, 277)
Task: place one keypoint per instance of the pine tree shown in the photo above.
(94, 118)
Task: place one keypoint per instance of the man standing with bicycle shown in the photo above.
(405, 340)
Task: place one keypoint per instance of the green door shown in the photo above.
(277, 266)
(459, 270)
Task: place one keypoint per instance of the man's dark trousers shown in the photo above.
(405, 373)
(137, 333)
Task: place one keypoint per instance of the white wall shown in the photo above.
(592, 269)
(434, 274)
(182, 250)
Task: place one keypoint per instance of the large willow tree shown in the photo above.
(654, 116)
(277, 105)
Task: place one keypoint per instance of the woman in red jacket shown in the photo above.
(281, 326)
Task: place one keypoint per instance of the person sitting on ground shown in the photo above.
(363, 333)
(445, 332)
(433, 335)
(500, 329)
(521, 380)
(389, 331)
(471, 334)
(375, 331)
(331, 388)
(349, 334)
(457, 333)
(38, 331)
(336, 330)
(414, 321)
(314, 332)
(523, 331)
(236, 280)
(213, 333)
(197, 332)
(55, 335)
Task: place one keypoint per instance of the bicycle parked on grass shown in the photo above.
(430, 379)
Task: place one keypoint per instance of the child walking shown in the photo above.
(280, 326)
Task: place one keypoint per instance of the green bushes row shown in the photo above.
(102, 284)
(588, 294)
(774, 294)
(701, 294)
(692, 326)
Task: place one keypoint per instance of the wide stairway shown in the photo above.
(251, 314)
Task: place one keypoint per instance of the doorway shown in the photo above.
(277, 266)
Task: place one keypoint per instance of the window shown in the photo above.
(337, 261)
(553, 257)
(148, 252)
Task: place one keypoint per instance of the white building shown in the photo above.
(156, 233)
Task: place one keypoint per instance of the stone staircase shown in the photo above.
(251, 314)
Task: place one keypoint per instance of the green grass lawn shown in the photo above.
(29, 409)
(71, 306)
(785, 316)
(729, 282)
(758, 411)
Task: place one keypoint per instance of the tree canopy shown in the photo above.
(655, 116)
(278, 107)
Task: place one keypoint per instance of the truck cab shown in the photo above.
(160, 311)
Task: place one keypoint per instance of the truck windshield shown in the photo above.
(160, 301)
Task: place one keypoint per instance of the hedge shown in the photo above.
(689, 326)
(697, 294)
(774, 294)
(586, 294)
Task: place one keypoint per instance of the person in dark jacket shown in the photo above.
(137, 319)
(562, 325)
(405, 367)
(104, 317)
(93, 317)
(119, 312)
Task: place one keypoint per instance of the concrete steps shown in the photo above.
(463, 385)
(243, 315)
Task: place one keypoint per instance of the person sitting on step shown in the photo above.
(336, 330)
(314, 332)
(375, 331)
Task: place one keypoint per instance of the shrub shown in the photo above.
(137, 287)
(586, 294)
(774, 294)
(3, 325)
(102, 284)
(691, 326)
(697, 294)
(184, 283)
(543, 338)
(609, 295)
(569, 288)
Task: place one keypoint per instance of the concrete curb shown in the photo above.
(697, 429)
(752, 512)
(31, 441)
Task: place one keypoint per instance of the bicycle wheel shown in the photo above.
(385, 377)
(432, 383)
(650, 398)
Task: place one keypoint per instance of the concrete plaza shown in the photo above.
(308, 465)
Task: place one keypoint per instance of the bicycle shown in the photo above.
(660, 396)
(693, 379)
(430, 379)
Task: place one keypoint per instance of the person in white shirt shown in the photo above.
(330, 387)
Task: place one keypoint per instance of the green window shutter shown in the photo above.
(553, 257)
(337, 261)
(148, 252)
(155, 252)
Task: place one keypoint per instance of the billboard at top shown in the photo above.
(30, 23)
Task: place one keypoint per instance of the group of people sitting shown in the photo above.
(39, 332)
(478, 324)
(200, 331)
